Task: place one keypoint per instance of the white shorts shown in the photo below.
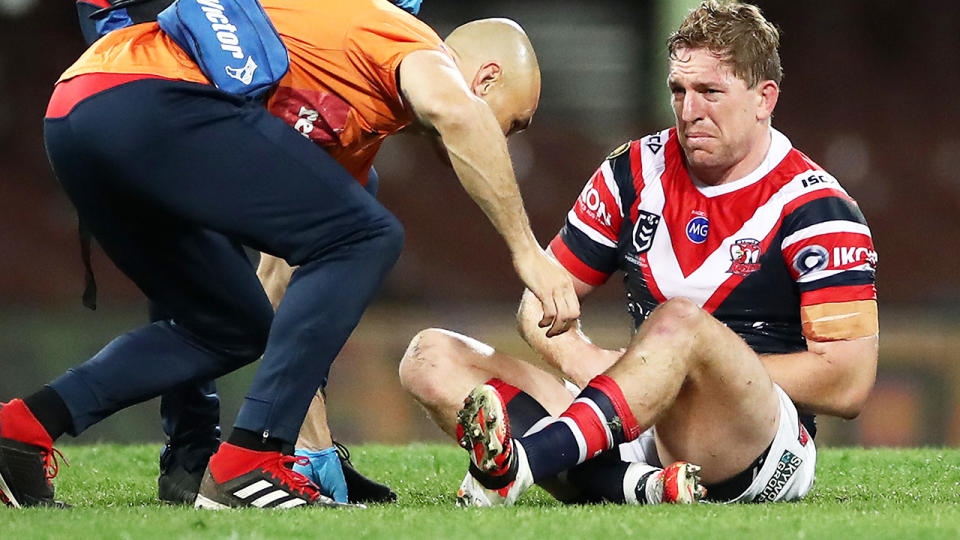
(787, 473)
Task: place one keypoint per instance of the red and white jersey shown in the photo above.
(751, 251)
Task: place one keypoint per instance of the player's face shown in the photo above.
(720, 122)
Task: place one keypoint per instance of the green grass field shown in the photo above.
(859, 494)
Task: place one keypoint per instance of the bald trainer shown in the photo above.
(497, 63)
(172, 176)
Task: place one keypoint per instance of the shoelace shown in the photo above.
(343, 452)
(51, 465)
(296, 480)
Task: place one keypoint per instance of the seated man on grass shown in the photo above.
(750, 276)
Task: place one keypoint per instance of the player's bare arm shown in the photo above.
(572, 353)
(834, 376)
(475, 142)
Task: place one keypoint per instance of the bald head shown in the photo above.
(497, 61)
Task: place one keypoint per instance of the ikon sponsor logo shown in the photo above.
(811, 259)
(848, 255)
(697, 229)
(644, 230)
(595, 207)
(745, 257)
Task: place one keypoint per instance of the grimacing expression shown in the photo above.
(718, 117)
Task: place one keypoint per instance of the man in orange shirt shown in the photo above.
(172, 176)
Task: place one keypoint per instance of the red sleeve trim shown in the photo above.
(574, 265)
(846, 293)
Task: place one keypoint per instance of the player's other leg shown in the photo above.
(440, 368)
(684, 372)
(328, 462)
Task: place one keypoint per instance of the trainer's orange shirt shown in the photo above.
(341, 90)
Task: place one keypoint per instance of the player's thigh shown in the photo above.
(726, 412)
(454, 364)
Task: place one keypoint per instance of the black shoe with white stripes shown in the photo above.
(241, 478)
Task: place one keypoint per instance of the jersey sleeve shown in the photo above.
(587, 244)
(829, 251)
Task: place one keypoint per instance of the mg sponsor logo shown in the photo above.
(697, 229)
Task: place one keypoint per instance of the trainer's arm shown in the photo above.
(833, 376)
(438, 95)
(572, 353)
(274, 274)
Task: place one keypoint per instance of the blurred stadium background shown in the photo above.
(870, 93)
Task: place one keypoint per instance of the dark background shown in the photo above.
(869, 93)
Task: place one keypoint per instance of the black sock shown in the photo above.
(50, 410)
(523, 410)
(254, 441)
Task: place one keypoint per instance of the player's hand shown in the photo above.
(553, 287)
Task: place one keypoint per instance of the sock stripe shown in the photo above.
(609, 389)
(589, 426)
(577, 435)
(601, 417)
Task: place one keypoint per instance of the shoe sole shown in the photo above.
(481, 419)
(205, 503)
(689, 488)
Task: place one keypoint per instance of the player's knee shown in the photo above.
(424, 362)
(677, 315)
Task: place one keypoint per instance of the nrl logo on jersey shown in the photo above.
(745, 257)
(644, 230)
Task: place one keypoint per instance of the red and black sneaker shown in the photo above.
(499, 472)
(28, 460)
(677, 483)
(240, 478)
(483, 430)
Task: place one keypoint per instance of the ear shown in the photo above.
(769, 93)
(487, 77)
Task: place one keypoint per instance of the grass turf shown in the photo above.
(881, 493)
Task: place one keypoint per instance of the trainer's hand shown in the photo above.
(553, 287)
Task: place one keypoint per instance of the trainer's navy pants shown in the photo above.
(172, 178)
(191, 414)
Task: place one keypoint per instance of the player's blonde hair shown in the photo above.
(736, 31)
